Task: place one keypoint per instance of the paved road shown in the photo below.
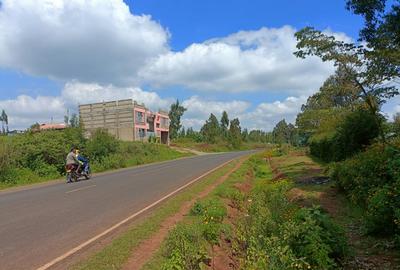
(42, 223)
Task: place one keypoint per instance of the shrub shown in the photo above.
(101, 145)
(372, 180)
(357, 131)
(278, 235)
(211, 213)
(185, 247)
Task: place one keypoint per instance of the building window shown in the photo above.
(164, 122)
(140, 117)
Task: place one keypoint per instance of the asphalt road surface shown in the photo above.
(41, 223)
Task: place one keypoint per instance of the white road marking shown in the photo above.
(91, 240)
(78, 189)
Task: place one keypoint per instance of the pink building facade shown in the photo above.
(148, 125)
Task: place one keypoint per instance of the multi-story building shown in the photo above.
(126, 120)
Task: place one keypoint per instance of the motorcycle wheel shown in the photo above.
(75, 177)
(69, 178)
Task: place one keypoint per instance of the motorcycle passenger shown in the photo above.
(72, 162)
(83, 161)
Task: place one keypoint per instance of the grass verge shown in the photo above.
(117, 253)
(265, 229)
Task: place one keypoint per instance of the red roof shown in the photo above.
(52, 126)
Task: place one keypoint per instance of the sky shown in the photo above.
(232, 55)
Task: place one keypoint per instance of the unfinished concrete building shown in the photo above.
(126, 120)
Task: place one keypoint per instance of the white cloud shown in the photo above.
(87, 40)
(75, 93)
(25, 110)
(266, 115)
(199, 109)
(259, 60)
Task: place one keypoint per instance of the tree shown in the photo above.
(369, 75)
(224, 123)
(381, 31)
(325, 109)
(235, 133)
(175, 115)
(182, 132)
(245, 135)
(281, 132)
(211, 129)
(4, 122)
(74, 121)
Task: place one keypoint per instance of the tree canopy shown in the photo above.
(175, 115)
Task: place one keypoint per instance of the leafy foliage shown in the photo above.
(175, 115)
(277, 235)
(101, 145)
(353, 134)
(235, 133)
(372, 180)
(36, 156)
(211, 129)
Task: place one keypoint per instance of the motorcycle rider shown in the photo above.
(72, 162)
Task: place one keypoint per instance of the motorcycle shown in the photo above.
(76, 172)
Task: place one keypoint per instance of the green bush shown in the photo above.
(185, 248)
(101, 145)
(357, 131)
(372, 180)
(278, 235)
(210, 209)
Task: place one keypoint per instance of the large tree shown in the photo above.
(224, 123)
(211, 129)
(235, 133)
(323, 110)
(175, 115)
(281, 132)
(365, 72)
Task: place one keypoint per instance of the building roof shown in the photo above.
(52, 126)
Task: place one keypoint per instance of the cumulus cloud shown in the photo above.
(90, 41)
(75, 93)
(244, 61)
(26, 110)
(266, 115)
(199, 109)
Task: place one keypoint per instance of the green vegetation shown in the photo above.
(270, 232)
(175, 115)
(117, 253)
(37, 157)
(342, 123)
(278, 234)
(371, 180)
(221, 136)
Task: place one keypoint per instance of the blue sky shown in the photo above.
(211, 55)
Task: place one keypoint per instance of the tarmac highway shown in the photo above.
(42, 224)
